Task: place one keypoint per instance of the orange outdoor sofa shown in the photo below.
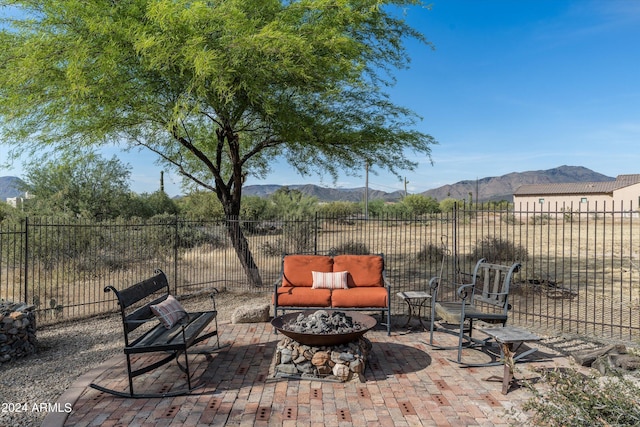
(341, 282)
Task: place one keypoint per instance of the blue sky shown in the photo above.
(512, 86)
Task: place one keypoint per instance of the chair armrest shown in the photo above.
(463, 290)
(385, 282)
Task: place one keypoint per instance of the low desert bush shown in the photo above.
(570, 399)
(351, 248)
(498, 251)
(430, 253)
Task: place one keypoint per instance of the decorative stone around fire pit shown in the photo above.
(324, 345)
(17, 331)
(341, 363)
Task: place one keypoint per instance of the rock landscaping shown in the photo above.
(341, 363)
(17, 331)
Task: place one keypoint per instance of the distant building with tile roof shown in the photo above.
(622, 195)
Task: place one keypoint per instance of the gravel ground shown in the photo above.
(68, 350)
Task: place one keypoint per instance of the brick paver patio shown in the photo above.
(406, 383)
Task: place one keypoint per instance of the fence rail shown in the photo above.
(580, 266)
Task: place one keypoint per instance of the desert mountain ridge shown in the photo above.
(488, 189)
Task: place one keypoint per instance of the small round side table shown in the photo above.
(416, 300)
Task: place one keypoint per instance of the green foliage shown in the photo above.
(201, 206)
(9, 214)
(448, 204)
(149, 205)
(287, 203)
(254, 208)
(499, 251)
(576, 400)
(396, 210)
(86, 186)
(218, 90)
(339, 210)
(376, 208)
(420, 205)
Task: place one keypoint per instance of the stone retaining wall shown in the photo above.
(17, 331)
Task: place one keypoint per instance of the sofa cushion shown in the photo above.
(364, 270)
(297, 269)
(335, 280)
(294, 296)
(360, 297)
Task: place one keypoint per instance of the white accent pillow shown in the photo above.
(335, 280)
(169, 311)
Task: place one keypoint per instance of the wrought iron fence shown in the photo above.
(580, 269)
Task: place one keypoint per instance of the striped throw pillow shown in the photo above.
(169, 311)
(335, 280)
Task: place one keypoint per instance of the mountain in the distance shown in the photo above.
(492, 188)
(502, 187)
(489, 189)
(323, 193)
(10, 187)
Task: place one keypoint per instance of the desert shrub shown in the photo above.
(275, 248)
(510, 219)
(397, 211)
(191, 235)
(339, 211)
(568, 215)
(498, 251)
(449, 204)
(351, 248)
(420, 205)
(574, 399)
(540, 219)
(298, 236)
(430, 253)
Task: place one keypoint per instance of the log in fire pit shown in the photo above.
(324, 327)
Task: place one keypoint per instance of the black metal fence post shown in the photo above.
(176, 244)
(316, 227)
(26, 260)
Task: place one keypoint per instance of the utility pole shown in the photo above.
(405, 186)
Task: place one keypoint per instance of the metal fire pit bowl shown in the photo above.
(366, 321)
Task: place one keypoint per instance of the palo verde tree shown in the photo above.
(217, 89)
